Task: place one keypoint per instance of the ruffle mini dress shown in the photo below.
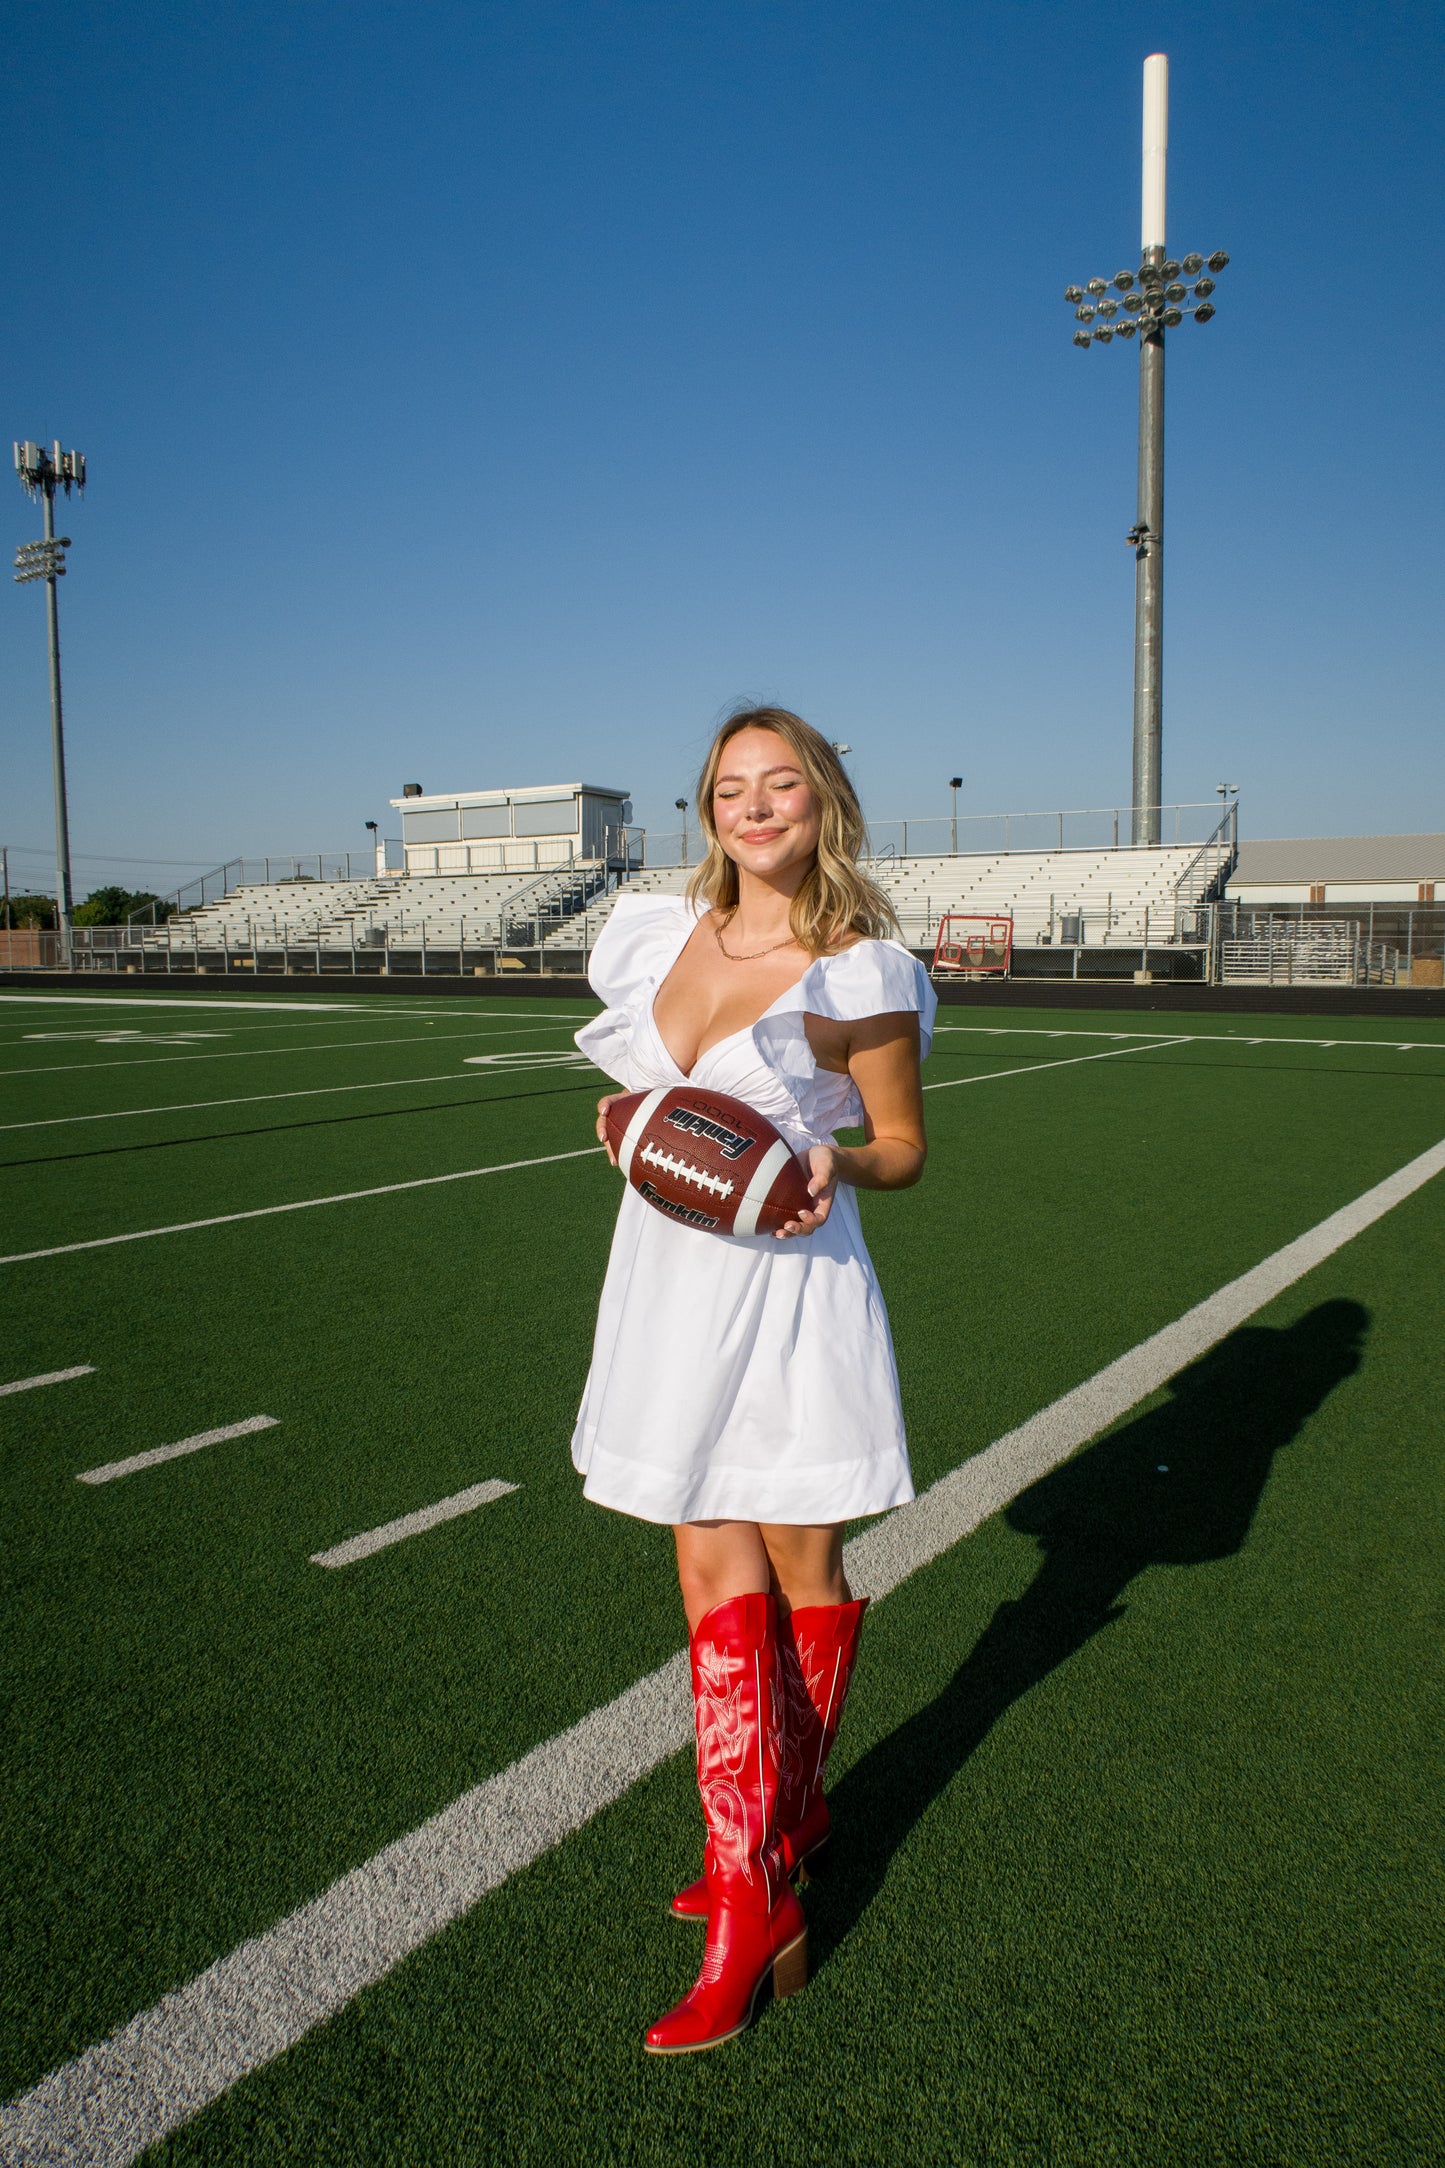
(742, 1377)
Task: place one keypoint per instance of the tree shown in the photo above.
(32, 911)
(111, 906)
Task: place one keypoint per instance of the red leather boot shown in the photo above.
(756, 1926)
(818, 1648)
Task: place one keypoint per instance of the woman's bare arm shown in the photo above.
(881, 1055)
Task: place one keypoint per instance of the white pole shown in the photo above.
(1156, 148)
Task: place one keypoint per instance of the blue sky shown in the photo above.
(487, 394)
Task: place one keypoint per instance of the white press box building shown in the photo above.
(527, 830)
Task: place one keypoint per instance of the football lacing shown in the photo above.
(667, 1163)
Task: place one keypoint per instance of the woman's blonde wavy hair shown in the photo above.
(834, 899)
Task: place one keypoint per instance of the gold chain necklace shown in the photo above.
(751, 957)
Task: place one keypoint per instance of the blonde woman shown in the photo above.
(744, 1389)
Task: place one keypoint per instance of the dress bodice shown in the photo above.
(769, 1064)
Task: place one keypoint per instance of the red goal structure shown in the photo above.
(972, 946)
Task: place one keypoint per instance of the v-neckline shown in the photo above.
(743, 1030)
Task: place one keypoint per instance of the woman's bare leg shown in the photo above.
(807, 1564)
(717, 1560)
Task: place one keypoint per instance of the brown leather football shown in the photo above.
(707, 1160)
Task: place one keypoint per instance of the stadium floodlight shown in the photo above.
(1073, 293)
(1155, 302)
(955, 784)
(41, 473)
(681, 806)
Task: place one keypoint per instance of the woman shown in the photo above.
(744, 1389)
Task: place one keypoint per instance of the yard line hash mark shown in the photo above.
(171, 2061)
(302, 1204)
(113, 1468)
(49, 1377)
(255, 1099)
(259, 1053)
(412, 1524)
(1199, 1038)
(1030, 1068)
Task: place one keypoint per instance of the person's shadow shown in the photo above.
(1178, 1486)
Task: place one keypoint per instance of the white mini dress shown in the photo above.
(742, 1377)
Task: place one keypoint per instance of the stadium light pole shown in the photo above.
(41, 473)
(1154, 299)
(955, 784)
(681, 805)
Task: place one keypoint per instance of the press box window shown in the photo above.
(430, 827)
(545, 816)
(481, 823)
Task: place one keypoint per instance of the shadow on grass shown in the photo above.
(1099, 1520)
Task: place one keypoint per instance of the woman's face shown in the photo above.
(765, 814)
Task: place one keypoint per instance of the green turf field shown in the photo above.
(1138, 1794)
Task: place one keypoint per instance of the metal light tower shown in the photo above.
(1153, 299)
(41, 473)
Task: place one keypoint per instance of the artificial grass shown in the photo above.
(209, 1729)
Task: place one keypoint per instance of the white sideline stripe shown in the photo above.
(302, 1204)
(49, 1377)
(1030, 1068)
(251, 1099)
(158, 1453)
(156, 2072)
(1202, 1038)
(412, 1524)
(259, 1053)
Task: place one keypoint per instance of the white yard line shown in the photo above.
(259, 1053)
(49, 1377)
(171, 2061)
(302, 1204)
(1030, 1068)
(250, 1099)
(175, 1001)
(1201, 1038)
(182, 1446)
(412, 1524)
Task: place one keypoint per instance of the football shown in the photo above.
(707, 1160)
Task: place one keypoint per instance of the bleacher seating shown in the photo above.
(1103, 894)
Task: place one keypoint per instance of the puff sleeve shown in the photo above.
(634, 950)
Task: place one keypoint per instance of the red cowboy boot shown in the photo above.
(818, 1648)
(755, 1923)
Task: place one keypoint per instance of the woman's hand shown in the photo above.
(823, 1164)
(602, 1106)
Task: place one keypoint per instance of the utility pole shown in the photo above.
(40, 473)
(1155, 298)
